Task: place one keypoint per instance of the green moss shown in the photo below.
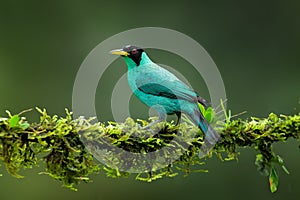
(64, 145)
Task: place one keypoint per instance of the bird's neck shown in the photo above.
(131, 64)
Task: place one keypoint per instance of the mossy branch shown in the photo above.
(62, 143)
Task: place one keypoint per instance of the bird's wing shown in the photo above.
(157, 81)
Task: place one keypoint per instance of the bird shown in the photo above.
(161, 90)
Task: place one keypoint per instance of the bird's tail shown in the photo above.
(211, 136)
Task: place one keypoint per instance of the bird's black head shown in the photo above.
(133, 52)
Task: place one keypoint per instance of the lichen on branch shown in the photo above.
(67, 146)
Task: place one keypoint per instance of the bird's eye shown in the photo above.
(134, 51)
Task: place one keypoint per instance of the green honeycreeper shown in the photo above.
(163, 91)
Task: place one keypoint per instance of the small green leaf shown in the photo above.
(14, 121)
(209, 114)
(202, 109)
(273, 179)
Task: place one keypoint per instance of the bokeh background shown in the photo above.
(255, 44)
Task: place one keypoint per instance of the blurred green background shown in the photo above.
(255, 44)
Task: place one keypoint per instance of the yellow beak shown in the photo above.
(120, 52)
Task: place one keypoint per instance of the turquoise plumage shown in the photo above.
(163, 91)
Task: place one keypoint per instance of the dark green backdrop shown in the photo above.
(254, 43)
